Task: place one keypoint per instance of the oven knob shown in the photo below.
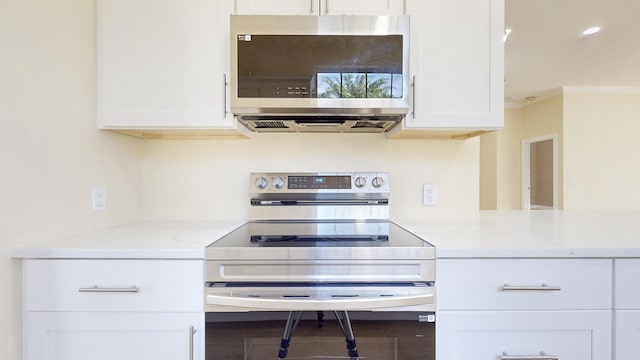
(261, 183)
(278, 182)
(377, 182)
(360, 181)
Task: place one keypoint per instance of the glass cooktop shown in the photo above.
(320, 234)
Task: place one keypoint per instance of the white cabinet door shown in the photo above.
(362, 7)
(627, 334)
(319, 7)
(569, 335)
(162, 64)
(277, 7)
(108, 336)
(457, 64)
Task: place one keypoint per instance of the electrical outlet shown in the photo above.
(99, 198)
(430, 195)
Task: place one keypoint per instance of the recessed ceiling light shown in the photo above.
(591, 30)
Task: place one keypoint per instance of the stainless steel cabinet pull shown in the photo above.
(326, 6)
(543, 287)
(312, 7)
(413, 97)
(96, 289)
(542, 356)
(224, 95)
(192, 331)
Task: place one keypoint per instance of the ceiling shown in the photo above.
(546, 49)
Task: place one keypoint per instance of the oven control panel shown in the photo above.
(352, 183)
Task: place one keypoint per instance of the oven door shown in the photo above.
(320, 335)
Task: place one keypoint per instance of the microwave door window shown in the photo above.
(320, 66)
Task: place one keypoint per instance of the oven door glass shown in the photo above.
(320, 335)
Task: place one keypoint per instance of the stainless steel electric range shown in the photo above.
(320, 244)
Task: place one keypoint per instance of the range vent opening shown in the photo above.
(270, 125)
(370, 124)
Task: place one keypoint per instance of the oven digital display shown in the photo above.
(319, 182)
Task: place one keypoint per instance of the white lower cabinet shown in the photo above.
(105, 309)
(108, 336)
(508, 309)
(491, 335)
(627, 305)
(627, 334)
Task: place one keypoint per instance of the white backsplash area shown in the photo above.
(203, 179)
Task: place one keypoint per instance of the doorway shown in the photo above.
(540, 173)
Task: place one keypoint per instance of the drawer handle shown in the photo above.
(413, 96)
(192, 332)
(543, 287)
(542, 356)
(96, 289)
(224, 95)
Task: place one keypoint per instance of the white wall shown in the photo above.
(601, 165)
(50, 152)
(210, 179)
(500, 164)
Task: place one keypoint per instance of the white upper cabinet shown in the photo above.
(457, 65)
(362, 7)
(163, 64)
(320, 7)
(277, 7)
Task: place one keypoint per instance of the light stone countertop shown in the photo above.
(486, 234)
(142, 240)
(541, 233)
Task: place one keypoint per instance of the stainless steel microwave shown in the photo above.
(320, 73)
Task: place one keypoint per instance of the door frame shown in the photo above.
(525, 177)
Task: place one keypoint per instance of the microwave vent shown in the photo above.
(270, 125)
(319, 123)
(370, 124)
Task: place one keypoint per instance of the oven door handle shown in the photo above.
(306, 304)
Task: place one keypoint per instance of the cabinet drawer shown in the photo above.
(524, 284)
(113, 285)
(496, 335)
(627, 284)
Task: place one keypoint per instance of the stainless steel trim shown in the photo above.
(97, 289)
(325, 212)
(192, 331)
(379, 268)
(306, 304)
(542, 287)
(542, 356)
